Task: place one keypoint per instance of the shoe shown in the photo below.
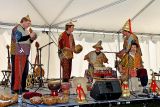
(145, 91)
(14, 91)
(24, 90)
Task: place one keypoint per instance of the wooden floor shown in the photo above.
(121, 102)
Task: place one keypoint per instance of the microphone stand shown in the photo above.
(48, 33)
(40, 65)
(62, 53)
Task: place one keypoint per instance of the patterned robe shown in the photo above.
(20, 50)
(129, 65)
(66, 45)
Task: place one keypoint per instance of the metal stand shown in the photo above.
(40, 65)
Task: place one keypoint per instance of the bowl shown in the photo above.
(54, 85)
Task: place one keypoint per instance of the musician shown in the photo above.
(21, 41)
(130, 62)
(129, 38)
(95, 58)
(66, 45)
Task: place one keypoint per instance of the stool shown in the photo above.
(6, 76)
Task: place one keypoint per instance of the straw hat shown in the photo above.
(69, 24)
(98, 45)
(127, 26)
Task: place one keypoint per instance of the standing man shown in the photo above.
(21, 41)
(129, 38)
(66, 47)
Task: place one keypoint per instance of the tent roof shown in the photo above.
(99, 15)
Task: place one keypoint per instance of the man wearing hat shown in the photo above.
(129, 38)
(66, 45)
(21, 41)
(95, 58)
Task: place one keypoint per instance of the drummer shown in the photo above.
(95, 58)
(66, 46)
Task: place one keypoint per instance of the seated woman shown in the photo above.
(95, 59)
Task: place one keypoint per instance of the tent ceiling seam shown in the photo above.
(90, 12)
(46, 22)
(142, 10)
(62, 11)
(80, 29)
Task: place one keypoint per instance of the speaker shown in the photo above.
(106, 89)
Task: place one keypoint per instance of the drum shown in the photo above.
(65, 86)
(54, 86)
(67, 54)
(103, 72)
(78, 48)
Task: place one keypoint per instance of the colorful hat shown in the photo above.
(127, 26)
(98, 45)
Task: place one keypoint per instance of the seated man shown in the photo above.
(95, 58)
(128, 66)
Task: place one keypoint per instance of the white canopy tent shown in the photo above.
(96, 19)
